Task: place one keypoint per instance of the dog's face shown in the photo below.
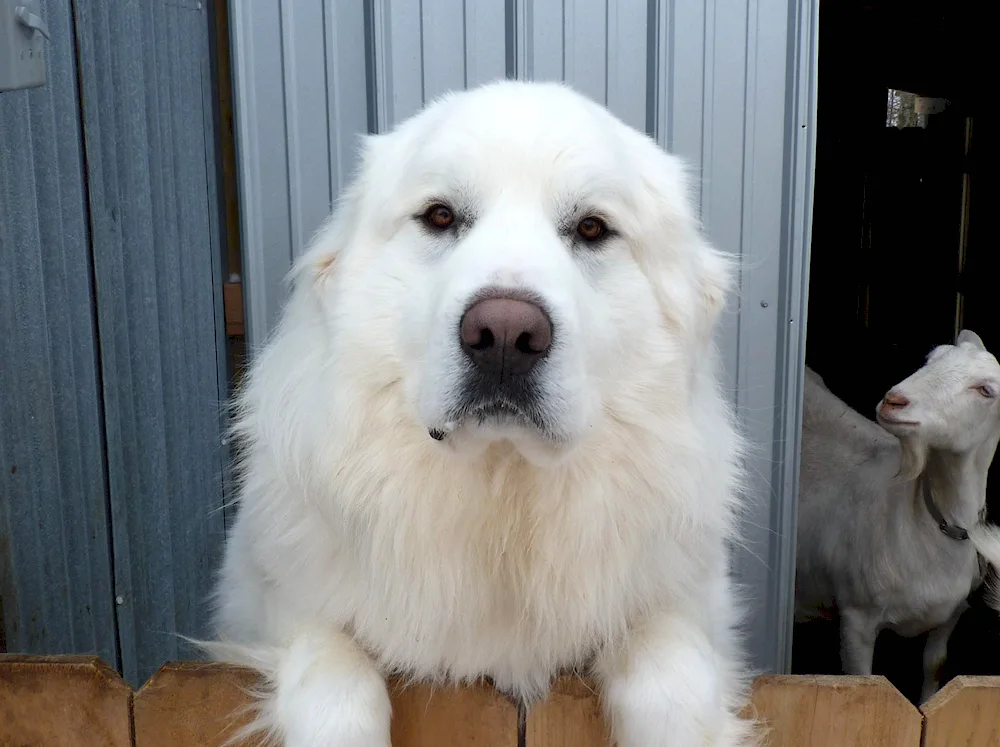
(952, 402)
(513, 257)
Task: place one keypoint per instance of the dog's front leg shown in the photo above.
(668, 687)
(327, 693)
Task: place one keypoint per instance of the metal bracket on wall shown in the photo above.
(22, 45)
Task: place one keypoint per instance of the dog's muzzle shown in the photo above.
(505, 337)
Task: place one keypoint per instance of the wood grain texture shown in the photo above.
(232, 294)
(826, 711)
(570, 717)
(965, 712)
(194, 703)
(62, 701)
(466, 716)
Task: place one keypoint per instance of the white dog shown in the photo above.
(487, 438)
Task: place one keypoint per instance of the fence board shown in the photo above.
(965, 712)
(423, 716)
(193, 703)
(569, 717)
(828, 711)
(70, 701)
(62, 701)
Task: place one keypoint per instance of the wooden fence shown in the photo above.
(72, 701)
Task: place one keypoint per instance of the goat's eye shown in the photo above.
(439, 216)
(986, 391)
(591, 228)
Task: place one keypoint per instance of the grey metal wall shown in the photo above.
(111, 338)
(728, 84)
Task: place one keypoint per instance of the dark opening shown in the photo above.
(904, 240)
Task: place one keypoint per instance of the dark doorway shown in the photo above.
(903, 249)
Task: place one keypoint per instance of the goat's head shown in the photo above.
(951, 403)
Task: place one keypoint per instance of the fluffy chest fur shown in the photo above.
(445, 567)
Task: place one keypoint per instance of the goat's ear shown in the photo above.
(967, 335)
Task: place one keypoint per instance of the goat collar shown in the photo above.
(953, 531)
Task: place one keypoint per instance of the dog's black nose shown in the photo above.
(505, 336)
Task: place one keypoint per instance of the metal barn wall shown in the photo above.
(111, 341)
(727, 84)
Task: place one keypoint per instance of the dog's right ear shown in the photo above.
(319, 261)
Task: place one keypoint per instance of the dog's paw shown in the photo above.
(328, 694)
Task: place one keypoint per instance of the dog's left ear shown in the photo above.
(319, 261)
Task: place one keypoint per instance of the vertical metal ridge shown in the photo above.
(607, 50)
(423, 56)
(286, 102)
(511, 38)
(371, 88)
(382, 65)
(653, 45)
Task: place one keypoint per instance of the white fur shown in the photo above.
(364, 547)
(866, 541)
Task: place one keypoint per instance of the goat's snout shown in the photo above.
(893, 400)
(505, 336)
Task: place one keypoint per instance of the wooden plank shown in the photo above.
(828, 711)
(570, 717)
(424, 716)
(965, 712)
(62, 700)
(232, 295)
(227, 138)
(194, 703)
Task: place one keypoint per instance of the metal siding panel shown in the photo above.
(262, 150)
(303, 39)
(722, 103)
(347, 97)
(628, 62)
(55, 563)
(585, 47)
(442, 47)
(398, 60)
(143, 73)
(540, 39)
(799, 175)
(485, 43)
(301, 102)
(762, 217)
(683, 71)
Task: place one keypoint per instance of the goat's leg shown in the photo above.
(936, 653)
(858, 630)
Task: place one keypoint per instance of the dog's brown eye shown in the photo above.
(439, 216)
(591, 228)
(985, 391)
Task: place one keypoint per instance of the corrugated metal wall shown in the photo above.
(112, 373)
(728, 84)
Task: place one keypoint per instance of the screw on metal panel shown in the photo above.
(763, 304)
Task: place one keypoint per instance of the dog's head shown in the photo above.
(520, 265)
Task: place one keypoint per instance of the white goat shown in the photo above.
(883, 511)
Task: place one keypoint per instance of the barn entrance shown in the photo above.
(903, 239)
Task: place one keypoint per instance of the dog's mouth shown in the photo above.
(496, 413)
